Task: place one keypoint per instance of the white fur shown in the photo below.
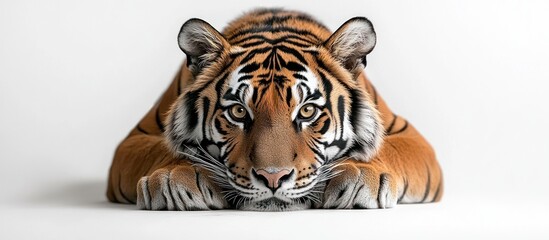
(356, 37)
(312, 83)
(200, 33)
(179, 126)
(370, 129)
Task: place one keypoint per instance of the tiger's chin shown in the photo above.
(274, 205)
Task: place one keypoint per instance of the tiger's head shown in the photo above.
(273, 107)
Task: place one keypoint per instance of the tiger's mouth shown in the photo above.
(275, 204)
(266, 191)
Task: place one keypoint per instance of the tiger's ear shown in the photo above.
(201, 43)
(351, 42)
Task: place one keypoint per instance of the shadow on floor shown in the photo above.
(89, 194)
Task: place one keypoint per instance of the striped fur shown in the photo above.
(353, 152)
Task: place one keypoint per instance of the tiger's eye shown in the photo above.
(238, 112)
(307, 111)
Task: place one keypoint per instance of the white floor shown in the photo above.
(79, 211)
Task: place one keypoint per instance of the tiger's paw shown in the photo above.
(182, 188)
(360, 186)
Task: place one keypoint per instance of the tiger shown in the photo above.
(274, 113)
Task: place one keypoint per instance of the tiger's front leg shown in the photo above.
(179, 187)
(404, 170)
(361, 185)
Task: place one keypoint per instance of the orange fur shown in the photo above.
(404, 160)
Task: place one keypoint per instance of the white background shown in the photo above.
(76, 76)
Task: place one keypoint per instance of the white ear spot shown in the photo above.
(357, 37)
(352, 42)
(201, 42)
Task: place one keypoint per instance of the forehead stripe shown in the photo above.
(296, 67)
(288, 96)
(270, 29)
(249, 68)
(300, 77)
(252, 53)
(293, 52)
(285, 39)
(245, 77)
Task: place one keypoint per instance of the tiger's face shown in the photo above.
(272, 120)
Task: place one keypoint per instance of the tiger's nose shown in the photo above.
(273, 179)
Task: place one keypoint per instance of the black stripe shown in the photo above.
(253, 44)
(270, 29)
(268, 61)
(124, 197)
(197, 177)
(249, 68)
(325, 127)
(427, 186)
(275, 41)
(341, 144)
(390, 128)
(307, 91)
(159, 120)
(340, 194)
(235, 55)
(141, 129)
(192, 112)
(300, 93)
(178, 85)
(299, 76)
(245, 77)
(296, 67)
(279, 80)
(191, 97)
(315, 151)
(288, 96)
(327, 89)
(275, 19)
(219, 86)
(189, 195)
(382, 181)
(252, 53)
(206, 106)
(402, 129)
(314, 96)
(356, 106)
(169, 191)
(261, 93)
(217, 125)
(173, 134)
(341, 112)
(229, 96)
(438, 189)
(265, 75)
(403, 191)
(320, 64)
(293, 52)
(255, 95)
(242, 90)
(280, 62)
(286, 41)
